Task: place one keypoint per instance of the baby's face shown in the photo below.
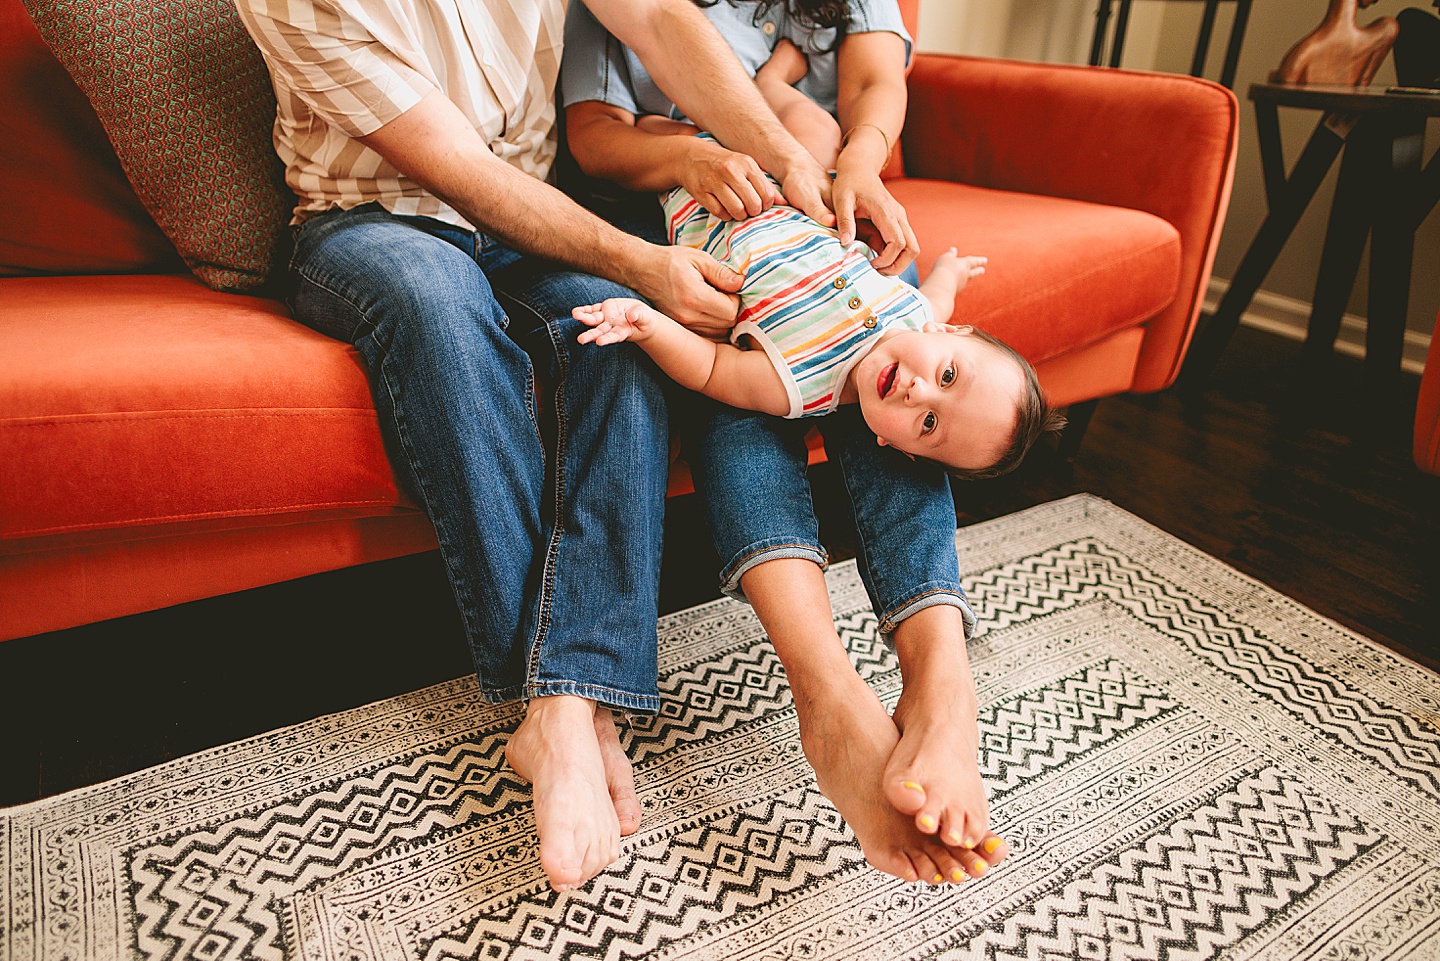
(941, 393)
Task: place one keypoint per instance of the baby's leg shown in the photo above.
(947, 278)
(846, 734)
(806, 120)
(934, 774)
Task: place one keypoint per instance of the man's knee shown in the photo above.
(357, 273)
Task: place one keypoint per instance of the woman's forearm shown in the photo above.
(606, 144)
(872, 99)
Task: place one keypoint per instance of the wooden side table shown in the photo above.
(1382, 191)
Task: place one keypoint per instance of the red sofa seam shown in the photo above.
(233, 413)
(203, 515)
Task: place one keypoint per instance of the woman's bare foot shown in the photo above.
(557, 749)
(933, 775)
(846, 734)
(848, 738)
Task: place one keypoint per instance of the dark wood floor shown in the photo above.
(1291, 480)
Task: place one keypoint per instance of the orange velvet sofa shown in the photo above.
(161, 442)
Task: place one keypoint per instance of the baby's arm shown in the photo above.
(723, 372)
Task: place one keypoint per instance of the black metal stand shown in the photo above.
(1202, 43)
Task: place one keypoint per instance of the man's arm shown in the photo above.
(693, 64)
(434, 145)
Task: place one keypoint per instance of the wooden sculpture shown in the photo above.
(1339, 51)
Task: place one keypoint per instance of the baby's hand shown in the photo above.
(972, 267)
(962, 269)
(614, 320)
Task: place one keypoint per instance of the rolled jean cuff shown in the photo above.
(930, 596)
(604, 696)
(763, 551)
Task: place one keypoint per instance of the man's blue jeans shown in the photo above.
(554, 557)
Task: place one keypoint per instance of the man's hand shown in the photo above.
(862, 196)
(728, 184)
(692, 287)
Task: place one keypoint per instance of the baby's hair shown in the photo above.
(1033, 417)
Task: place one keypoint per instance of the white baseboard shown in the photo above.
(1289, 318)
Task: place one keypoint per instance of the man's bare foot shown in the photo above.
(848, 738)
(787, 65)
(619, 775)
(933, 775)
(557, 749)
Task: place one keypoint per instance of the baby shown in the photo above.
(819, 327)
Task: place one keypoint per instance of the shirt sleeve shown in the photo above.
(333, 64)
(594, 66)
(880, 16)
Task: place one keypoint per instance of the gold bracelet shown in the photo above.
(846, 139)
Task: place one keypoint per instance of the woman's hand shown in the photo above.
(728, 184)
(859, 194)
(871, 109)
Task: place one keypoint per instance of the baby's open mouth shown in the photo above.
(886, 380)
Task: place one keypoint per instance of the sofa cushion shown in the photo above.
(186, 100)
(68, 206)
(140, 402)
(1062, 273)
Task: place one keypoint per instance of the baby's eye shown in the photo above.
(947, 376)
(928, 424)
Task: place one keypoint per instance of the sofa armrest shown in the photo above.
(1160, 143)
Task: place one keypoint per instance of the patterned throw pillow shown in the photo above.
(186, 100)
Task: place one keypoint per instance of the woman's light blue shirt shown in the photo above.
(598, 67)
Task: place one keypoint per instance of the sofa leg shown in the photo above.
(1078, 418)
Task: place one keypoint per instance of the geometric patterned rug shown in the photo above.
(1185, 763)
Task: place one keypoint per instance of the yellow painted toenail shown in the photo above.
(913, 786)
(939, 878)
(927, 822)
(992, 844)
(956, 839)
(957, 875)
(978, 868)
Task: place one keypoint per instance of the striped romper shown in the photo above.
(814, 306)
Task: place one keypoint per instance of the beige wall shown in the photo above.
(1162, 37)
